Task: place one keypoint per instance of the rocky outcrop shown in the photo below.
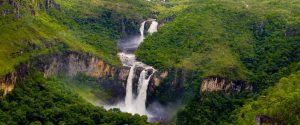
(219, 84)
(158, 77)
(7, 83)
(73, 63)
(70, 64)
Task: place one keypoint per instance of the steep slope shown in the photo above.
(226, 39)
(210, 42)
(32, 28)
(42, 38)
(212, 55)
(279, 103)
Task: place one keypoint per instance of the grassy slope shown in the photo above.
(91, 26)
(219, 38)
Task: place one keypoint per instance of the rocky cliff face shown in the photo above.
(112, 77)
(7, 83)
(70, 64)
(219, 84)
(157, 78)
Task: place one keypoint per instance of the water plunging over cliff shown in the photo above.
(142, 92)
(129, 95)
(136, 103)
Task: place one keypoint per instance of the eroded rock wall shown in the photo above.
(220, 84)
(8, 82)
(70, 64)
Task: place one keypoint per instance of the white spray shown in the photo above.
(142, 28)
(153, 27)
(129, 95)
(142, 92)
(138, 104)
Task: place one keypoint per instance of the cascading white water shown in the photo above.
(129, 95)
(153, 27)
(142, 92)
(142, 29)
(141, 80)
(136, 105)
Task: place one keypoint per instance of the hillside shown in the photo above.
(280, 102)
(227, 39)
(32, 28)
(32, 31)
(118, 62)
(251, 42)
(37, 100)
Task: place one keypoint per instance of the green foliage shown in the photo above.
(252, 40)
(171, 89)
(227, 39)
(256, 41)
(280, 102)
(209, 108)
(33, 28)
(195, 40)
(88, 88)
(37, 100)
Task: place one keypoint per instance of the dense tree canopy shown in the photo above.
(37, 100)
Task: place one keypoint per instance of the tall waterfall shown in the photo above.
(142, 29)
(129, 95)
(142, 92)
(136, 103)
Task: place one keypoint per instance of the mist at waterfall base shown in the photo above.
(135, 103)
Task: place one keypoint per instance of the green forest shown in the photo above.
(256, 42)
(39, 101)
(248, 43)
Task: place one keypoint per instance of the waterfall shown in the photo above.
(142, 29)
(141, 80)
(153, 27)
(142, 92)
(136, 104)
(129, 95)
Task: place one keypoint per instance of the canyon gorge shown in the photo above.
(177, 62)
